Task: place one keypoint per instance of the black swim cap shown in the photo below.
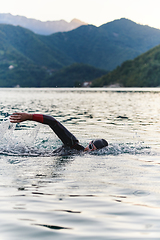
(100, 143)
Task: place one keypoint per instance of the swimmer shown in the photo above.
(69, 141)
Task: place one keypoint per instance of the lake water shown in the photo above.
(110, 194)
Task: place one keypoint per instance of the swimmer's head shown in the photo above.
(96, 144)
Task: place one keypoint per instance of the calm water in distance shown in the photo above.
(109, 194)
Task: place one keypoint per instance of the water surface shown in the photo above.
(110, 194)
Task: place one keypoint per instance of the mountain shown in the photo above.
(34, 57)
(106, 46)
(39, 27)
(18, 43)
(143, 71)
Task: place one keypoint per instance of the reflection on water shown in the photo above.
(109, 194)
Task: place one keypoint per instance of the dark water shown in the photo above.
(109, 194)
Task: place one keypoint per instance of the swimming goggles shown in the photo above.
(91, 146)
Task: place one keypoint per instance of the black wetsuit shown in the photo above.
(70, 142)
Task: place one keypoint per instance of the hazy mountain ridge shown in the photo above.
(39, 27)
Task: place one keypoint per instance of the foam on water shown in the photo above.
(14, 144)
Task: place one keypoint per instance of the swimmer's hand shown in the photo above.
(20, 117)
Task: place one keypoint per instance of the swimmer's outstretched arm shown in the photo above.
(20, 117)
(66, 137)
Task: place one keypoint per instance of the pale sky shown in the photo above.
(96, 12)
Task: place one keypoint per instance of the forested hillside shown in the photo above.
(143, 71)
